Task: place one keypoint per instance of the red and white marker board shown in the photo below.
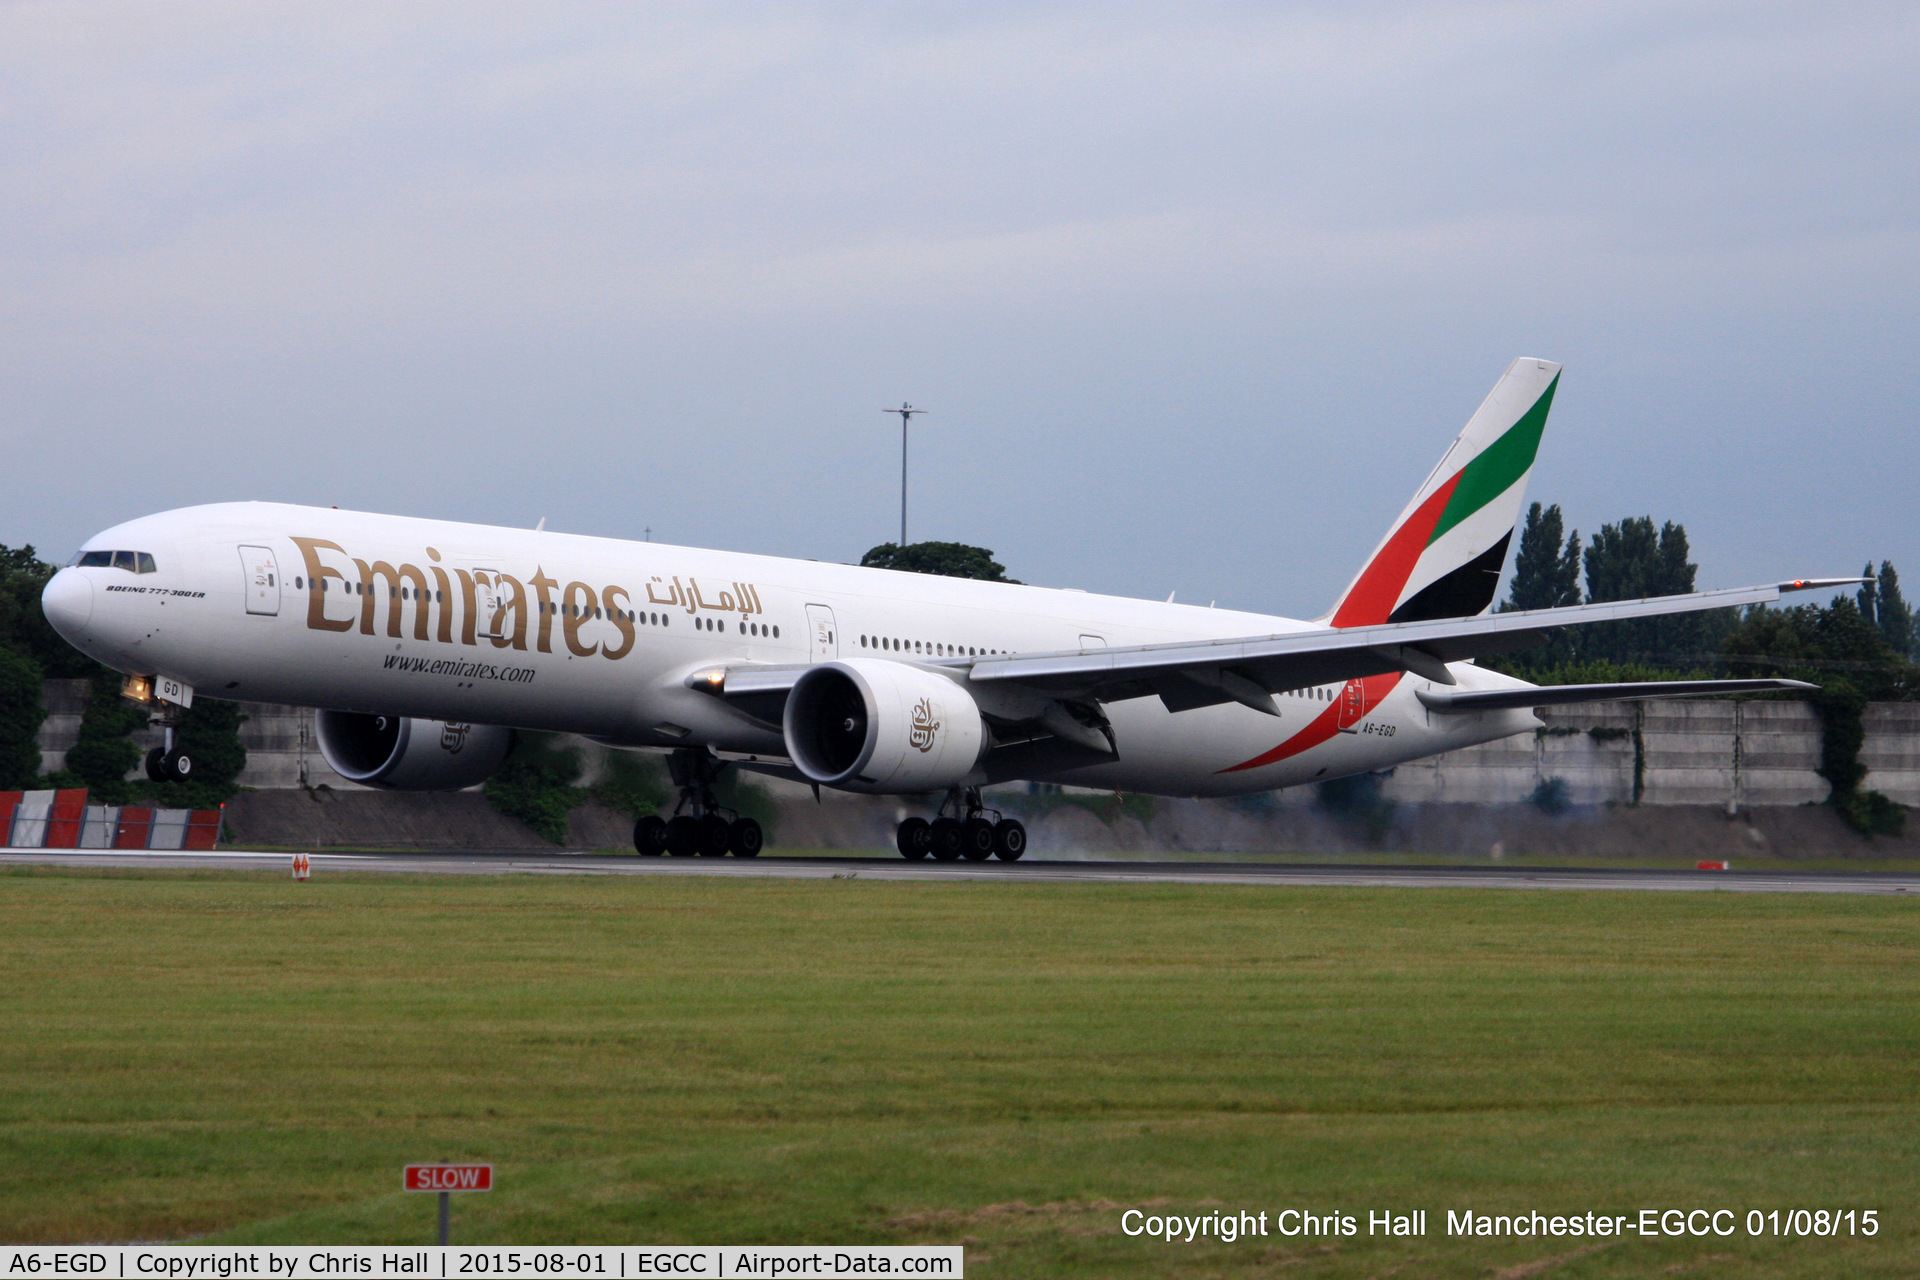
(449, 1177)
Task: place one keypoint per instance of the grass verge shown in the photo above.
(237, 1057)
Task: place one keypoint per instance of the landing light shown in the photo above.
(137, 689)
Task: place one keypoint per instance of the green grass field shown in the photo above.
(236, 1057)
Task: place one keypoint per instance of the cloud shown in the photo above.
(453, 220)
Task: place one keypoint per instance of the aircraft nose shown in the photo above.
(68, 603)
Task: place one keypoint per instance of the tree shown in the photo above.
(1631, 560)
(1546, 575)
(536, 784)
(1807, 642)
(102, 756)
(949, 559)
(20, 717)
(1891, 615)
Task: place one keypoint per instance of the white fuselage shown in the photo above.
(531, 629)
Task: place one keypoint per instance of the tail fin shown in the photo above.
(1443, 556)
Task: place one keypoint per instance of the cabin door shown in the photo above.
(262, 573)
(489, 605)
(825, 644)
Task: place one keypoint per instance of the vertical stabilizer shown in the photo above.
(1443, 556)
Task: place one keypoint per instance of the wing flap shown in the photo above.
(1447, 700)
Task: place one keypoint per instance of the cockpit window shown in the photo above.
(131, 561)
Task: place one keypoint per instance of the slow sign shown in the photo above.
(449, 1177)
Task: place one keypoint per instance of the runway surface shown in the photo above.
(1241, 873)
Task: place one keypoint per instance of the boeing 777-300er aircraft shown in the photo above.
(425, 643)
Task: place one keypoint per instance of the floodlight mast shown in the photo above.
(906, 411)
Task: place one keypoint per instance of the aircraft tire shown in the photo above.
(715, 831)
(156, 769)
(744, 838)
(977, 839)
(650, 836)
(1009, 840)
(914, 839)
(949, 841)
(683, 836)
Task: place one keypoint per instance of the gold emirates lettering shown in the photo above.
(495, 607)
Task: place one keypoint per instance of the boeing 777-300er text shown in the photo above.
(425, 643)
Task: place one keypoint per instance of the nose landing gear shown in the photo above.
(170, 763)
(975, 837)
(699, 826)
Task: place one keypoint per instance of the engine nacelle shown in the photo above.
(403, 754)
(861, 724)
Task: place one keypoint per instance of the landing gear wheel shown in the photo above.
(714, 833)
(949, 841)
(744, 839)
(683, 836)
(169, 766)
(1009, 840)
(650, 836)
(914, 839)
(976, 836)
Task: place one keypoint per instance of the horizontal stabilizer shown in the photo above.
(1448, 700)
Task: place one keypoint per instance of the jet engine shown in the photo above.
(403, 754)
(866, 725)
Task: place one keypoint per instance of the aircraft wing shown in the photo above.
(1250, 670)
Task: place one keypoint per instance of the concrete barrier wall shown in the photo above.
(1892, 750)
(66, 702)
(1704, 752)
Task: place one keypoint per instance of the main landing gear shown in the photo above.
(705, 831)
(975, 837)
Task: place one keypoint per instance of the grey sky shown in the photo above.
(1196, 294)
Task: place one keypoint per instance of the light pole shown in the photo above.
(906, 411)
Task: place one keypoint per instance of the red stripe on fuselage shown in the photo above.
(1373, 690)
(1378, 588)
